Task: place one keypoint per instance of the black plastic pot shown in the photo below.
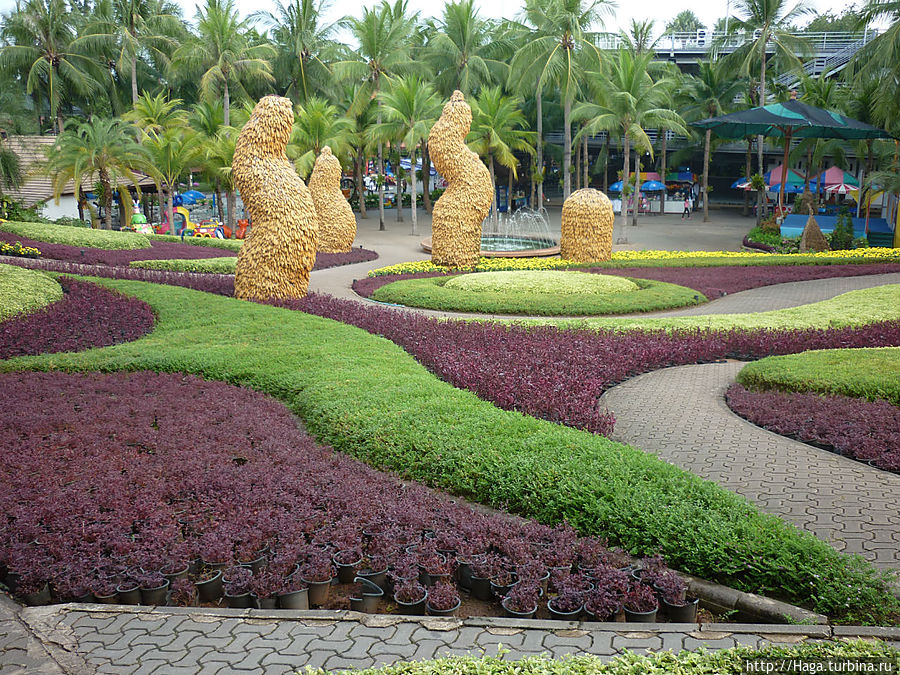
(318, 591)
(412, 608)
(428, 579)
(563, 616)
(346, 572)
(378, 578)
(500, 590)
(294, 600)
(686, 613)
(518, 615)
(254, 565)
(371, 594)
(40, 597)
(212, 588)
(602, 619)
(87, 597)
(172, 577)
(640, 617)
(240, 601)
(155, 596)
(107, 599)
(129, 594)
(267, 603)
(443, 612)
(481, 588)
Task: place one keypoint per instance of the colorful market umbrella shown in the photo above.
(653, 186)
(832, 177)
(791, 119)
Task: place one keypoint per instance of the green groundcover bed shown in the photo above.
(367, 397)
(211, 242)
(811, 658)
(202, 265)
(23, 291)
(863, 373)
(538, 293)
(110, 240)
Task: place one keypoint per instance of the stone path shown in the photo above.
(171, 641)
(680, 415)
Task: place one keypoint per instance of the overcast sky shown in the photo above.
(661, 10)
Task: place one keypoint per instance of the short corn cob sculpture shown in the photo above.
(587, 227)
(280, 251)
(337, 224)
(458, 214)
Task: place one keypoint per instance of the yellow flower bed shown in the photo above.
(508, 264)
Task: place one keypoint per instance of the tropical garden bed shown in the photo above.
(23, 291)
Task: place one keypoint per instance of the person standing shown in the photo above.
(687, 207)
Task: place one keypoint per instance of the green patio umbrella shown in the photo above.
(791, 119)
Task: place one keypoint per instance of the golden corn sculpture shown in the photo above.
(337, 224)
(280, 251)
(458, 214)
(587, 226)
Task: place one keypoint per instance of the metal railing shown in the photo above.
(820, 44)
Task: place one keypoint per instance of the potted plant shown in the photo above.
(566, 605)
(265, 587)
(591, 553)
(184, 593)
(216, 550)
(522, 600)
(675, 603)
(534, 571)
(236, 581)
(443, 600)
(433, 567)
(105, 591)
(154, 588)
(410, 597)
(616, 581)
(129, 591)
(294, 594)
(482, 570)
(34, 590)
(175, 569)
(640, 604)
(347, 561)
(317, 573)
(364, 596)
(602, 605)
(209, 584)
(374, 568)
(502, 582)
(650, 569)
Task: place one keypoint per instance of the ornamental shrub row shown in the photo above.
(76, 236)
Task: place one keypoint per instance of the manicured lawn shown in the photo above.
(863, 373)
(225, 265)
(532, 293)
(23, 291)
(368, 398)
(76, 236)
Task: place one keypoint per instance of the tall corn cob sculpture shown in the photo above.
(280, 251)
(337, 224)
(458, 214)
(587, 227)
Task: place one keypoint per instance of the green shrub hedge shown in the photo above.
(862, 373)
(202, 265)
(368, 398)
(720, 662)
(434, 293)
(211, 242)
(110, 240)
(23, 291)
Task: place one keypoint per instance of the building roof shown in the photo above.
(38, 188)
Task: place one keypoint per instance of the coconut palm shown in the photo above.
(172, 151)
(106, 149)
(40, 36)
(223, 53)
(627, 100)
(152, 114)
(360, 111)
(711, 92)
(134, 28)
(410, 108)
(317, 123)
(216, 154)
(207, 118)
(559, 51)
(303, 45)
(384, 34)
(498, 131)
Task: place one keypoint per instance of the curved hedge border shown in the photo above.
(871, 374)
(225, 265)
(432, 293)
(367, 397)
(24, 291)
(233, 245)
(111, 240)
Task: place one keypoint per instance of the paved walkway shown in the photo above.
(171, 641)
(680, 415)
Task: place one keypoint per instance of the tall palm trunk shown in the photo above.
(360, 187)
(748, 169)
(567, 148)
(170, 209)
(761, 195)
(426, 177)
(578, 167)
(107, 199)
(162, 210)
(134, 89)
(606, 163)
(809, 152)
(412, 184)
(509, 194)
(662, 199)
(540, 144)
(706, 176)
(220, 208)
(585, 163)
(495, 215)
(626, 150)
(229, 196)
(637, 186)
(380, 166)
(398, 185)
(227, 104)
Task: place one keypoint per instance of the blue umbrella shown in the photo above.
(616, 187)
(186, 199)
(194, 194)
(653, 186)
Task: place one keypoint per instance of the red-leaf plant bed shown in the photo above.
(87, 316)
(864, 430)
(713, 282)
(110, 481)
(559, 375)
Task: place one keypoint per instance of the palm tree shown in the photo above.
(684, 22)
(384, 35)
(172, 152)
(106, 148)
(410, 108)
(560, 50)
(639, 38)
(499, 130)
(303, 45)
(317, 123)
(222, 52)
(134, 28)
(207, 118)
(360, 112)
(216, 155)
(628, 100)
(39, 37)
(822, 92)
(10, 169)
(711, 92)
(152, 114)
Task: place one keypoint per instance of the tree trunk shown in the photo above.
(626, 149)
(361, 162)
(662, 199)
(706, 176)
(398, 184)
(162, 210)
(426, 177)
(412, 185)
(578, 167)
(567, 148)
(540, 144)
(761, 196)
(585, 163)
(107, 199)
(509, 194)
(495, 214)
(229, 195)
(171, 211)
(220, 208)
(606, 164)
(809, 151)
(227, 104)
(134, 89)
(637, 187)
(748, 169)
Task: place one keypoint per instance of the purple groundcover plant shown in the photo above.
(864, 430)
(713, 282)
(208, 469)
(539, 379)
(351, 257)
(87, 316)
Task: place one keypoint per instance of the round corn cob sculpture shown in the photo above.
(280, 251)
(337, 224)
(587, 227)
(458, 214)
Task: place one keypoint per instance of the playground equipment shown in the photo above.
(186, 228)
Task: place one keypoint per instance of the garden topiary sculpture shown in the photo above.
(458, 214)
(337, 224)
(280, 251)
(587, 227)
(812, 238)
